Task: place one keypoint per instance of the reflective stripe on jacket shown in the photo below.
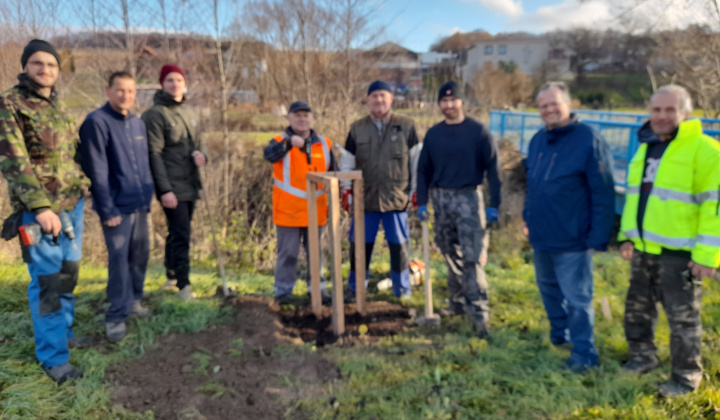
(683, 211)
(289, 189)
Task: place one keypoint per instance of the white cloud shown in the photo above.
(595, 14)
(507, 7)
(667, 14)
(622, 14)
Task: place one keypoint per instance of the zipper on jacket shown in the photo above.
(132, 151)
(717, 207)
(537, 165)
(552, 163)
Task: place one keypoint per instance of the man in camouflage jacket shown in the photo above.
(38, 144)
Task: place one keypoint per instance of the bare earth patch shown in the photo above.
(243, 370)
(381, 319)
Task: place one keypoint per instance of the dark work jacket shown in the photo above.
(570, 201)
(384, 159)
(115, 158)
(171, 141)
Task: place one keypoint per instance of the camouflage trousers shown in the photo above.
(460, 235)
(659, 278)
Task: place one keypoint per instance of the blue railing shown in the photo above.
(520, 127)
(708, 123)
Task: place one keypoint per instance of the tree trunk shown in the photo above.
(223, 110)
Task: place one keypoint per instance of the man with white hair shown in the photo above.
(670, 231)
(569, 212)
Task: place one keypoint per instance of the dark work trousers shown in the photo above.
(177, 247)
(288, 250)
(659, 278)
(460, 235)
(128, 247)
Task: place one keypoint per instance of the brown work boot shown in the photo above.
(116, 331)
(169, 284)
(187, 294)
(140, 311)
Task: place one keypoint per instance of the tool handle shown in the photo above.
(428, 281)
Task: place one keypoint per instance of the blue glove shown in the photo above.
(492, 214)
(423, 213)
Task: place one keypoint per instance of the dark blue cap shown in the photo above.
(299, 106)
(379, 85)
(449, 89)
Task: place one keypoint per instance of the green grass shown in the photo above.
(450, 374)
(27, 393)
(444, 373)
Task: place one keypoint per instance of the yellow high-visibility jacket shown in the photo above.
(683, 211)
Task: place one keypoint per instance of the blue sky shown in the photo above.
(416, 24)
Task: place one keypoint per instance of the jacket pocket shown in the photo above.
(363, 149)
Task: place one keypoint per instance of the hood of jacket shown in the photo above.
(647, 135)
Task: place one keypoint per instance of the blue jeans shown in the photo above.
(54, 272)
(565, 280)
(128, 247)
(397, 233)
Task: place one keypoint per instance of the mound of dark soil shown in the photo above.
(381, 319)
(235, 371)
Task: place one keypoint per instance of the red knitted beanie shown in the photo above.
(170, 68)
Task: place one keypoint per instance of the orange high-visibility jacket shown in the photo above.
(289, 190)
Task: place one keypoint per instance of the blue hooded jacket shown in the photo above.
(115, 157)
(570, 200)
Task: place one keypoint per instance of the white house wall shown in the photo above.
(528, 54)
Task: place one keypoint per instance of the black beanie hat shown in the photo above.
(38, 45)
(449, 89)
(379, 85)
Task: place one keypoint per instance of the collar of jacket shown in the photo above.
(689, 129)
(109, 109)
(28, 86)
(646, 135)
(313, 135)
(555, 134)
(385, 121)
(163, 98)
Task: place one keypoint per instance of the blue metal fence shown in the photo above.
(708, 123)
(619, 129)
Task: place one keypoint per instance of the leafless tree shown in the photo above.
(691, 56)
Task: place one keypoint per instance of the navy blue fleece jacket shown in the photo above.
(115, 158)
(570, 201)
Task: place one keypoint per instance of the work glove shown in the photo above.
(414, 201)
(423, 213)
(492, 214)
(347, 200)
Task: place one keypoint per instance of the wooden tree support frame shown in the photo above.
(331, 181)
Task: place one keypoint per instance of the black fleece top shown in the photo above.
(458, 156)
